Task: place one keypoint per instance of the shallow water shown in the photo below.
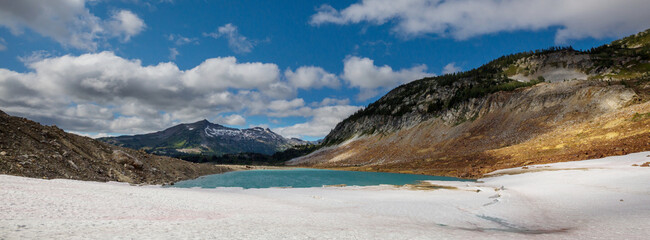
(304, 178)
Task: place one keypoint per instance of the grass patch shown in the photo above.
(179, 144)
(640, 116)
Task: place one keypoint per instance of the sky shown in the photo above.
(106, 68)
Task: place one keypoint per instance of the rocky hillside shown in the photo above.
(33, 150)
(513, 111)
(206, 138)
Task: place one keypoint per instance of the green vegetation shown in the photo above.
(248, 158)
(179, 144)
(485, 88)
(635, 41)
(640, 116)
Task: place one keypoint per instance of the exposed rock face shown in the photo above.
(207, 138)
(498, 115)
(33, 150)
(546, 123)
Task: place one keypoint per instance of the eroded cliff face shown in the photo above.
(548, 122)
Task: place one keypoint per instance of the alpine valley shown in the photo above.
(417, 119)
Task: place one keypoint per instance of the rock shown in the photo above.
(129, 161)
(73, 164)
(129, 167)
(3, 153)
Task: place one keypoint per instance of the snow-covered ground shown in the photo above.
(601, 199)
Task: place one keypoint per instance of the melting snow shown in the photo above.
(216, 132)
(604, 198)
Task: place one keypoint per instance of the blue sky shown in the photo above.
(298, 67)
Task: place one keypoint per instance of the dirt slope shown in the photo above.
(549, 122)
(33, 150)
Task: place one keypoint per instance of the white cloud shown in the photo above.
(3, 44)
(323, 120)
(125, 24)
(284, 108)
(237, 42)
(68, 22)
(307, 77)
(284, 105)
(173, 53)
(464, 19)
(451, 68)
(223, 73)
(364, 74)
(102, 92)
(331, 101)
(92, 135)
(232, 120)
(180, 40)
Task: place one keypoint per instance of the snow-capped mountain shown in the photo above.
(204, 137)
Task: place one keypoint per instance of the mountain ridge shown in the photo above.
(206, 138)
(475, 116)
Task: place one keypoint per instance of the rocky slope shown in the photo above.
(207, 138)
(544, 106)
(33, 150)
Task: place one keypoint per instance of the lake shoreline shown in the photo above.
(307, 178)
(239, 167)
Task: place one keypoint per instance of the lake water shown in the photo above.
(304, 178)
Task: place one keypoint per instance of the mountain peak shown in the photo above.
(201, 124)
(206, 138)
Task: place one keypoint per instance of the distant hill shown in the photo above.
(550, 105)
(206, 138)
(33, 150)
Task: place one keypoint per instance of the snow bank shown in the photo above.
(605, 198)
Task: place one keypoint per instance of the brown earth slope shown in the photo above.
(552, 105)
(33, 150)
(549, 122)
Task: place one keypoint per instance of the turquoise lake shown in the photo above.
(304, 178)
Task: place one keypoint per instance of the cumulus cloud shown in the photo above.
(331, 101)
(464, 19)
(307, 77)
(102, 92)
(125, 24)
(233, 120)
(223, 73)
(173, 53)
(68, 22)
(284, 108)
(237, 42)
(322, 121)
(451, 68)
(370, 78)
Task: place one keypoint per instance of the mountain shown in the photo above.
(33, 150)
(544, 106)
(207, 138)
